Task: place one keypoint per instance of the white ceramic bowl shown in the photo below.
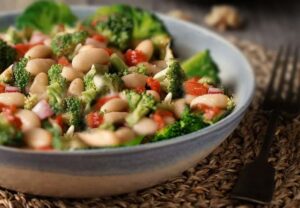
(114, 171)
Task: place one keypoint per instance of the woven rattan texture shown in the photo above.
(209, 183)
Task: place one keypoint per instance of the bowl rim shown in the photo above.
(160, 144)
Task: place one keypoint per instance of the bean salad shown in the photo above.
(109, 80)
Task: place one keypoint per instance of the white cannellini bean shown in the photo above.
(84, 61)
(85, 47)
(12, 98)
(146, 46)
(39, 51)
(29, 119)
(99, 138)
(134, 80)
(188, 98)
(145, 126)
(70, 74)
(76, 87)
(95, 43)
(115, 117)
(115, 105)
(39, 84)
(37, 138)
(154, 94)
(179, 106)
(212, 100)
(125, 134)
(38, 65)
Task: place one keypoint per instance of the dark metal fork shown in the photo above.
(256, 181)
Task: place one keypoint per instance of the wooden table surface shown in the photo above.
(270, 23)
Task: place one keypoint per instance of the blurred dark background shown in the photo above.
(270, 23)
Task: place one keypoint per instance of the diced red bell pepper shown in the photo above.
(94, 119)
(133, 57)
(193, 87)
(63, 61)
(99, 38)
(140, 89)
(153, 84)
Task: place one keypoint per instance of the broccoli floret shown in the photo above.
(9, 135)
(144, 106)
(141, 69)
(43, 15)
(65, 44)
(117, 29)
(191, 122)
(30, 101)
(172, 78)
(55, 97)
(133, 98)
(88, 79)
(118, 65)
(202, 65)
(21, 76)
(56, 133)
(112, 84)
(7, 55)
(13, 36)
(87, 97)
(91, 91)
(97, 84)
(168, 132)
(54, 75)
(56, 89)
(136, 141)
(187, 124)
(73, 111)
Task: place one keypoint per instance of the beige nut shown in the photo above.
(39, 84)
(146, 46)
(115, 105)
(154, 94)
(39, 51)
(38, 138)
(12, 98)
(70, 74)
(212, 100)
(29, 119)
(115, 117)
(83, 61)
(125, 134)
(99, 138)
(134, 80)
(76, 87)
(38, 65)
(145, 126)
(179, 106)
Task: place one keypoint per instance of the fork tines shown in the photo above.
(283, 91)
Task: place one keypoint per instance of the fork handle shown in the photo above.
(269, 136)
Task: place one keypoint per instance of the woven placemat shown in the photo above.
(209, 183)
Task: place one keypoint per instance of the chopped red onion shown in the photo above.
(214, 90)
(43, 109)
(11, 89)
